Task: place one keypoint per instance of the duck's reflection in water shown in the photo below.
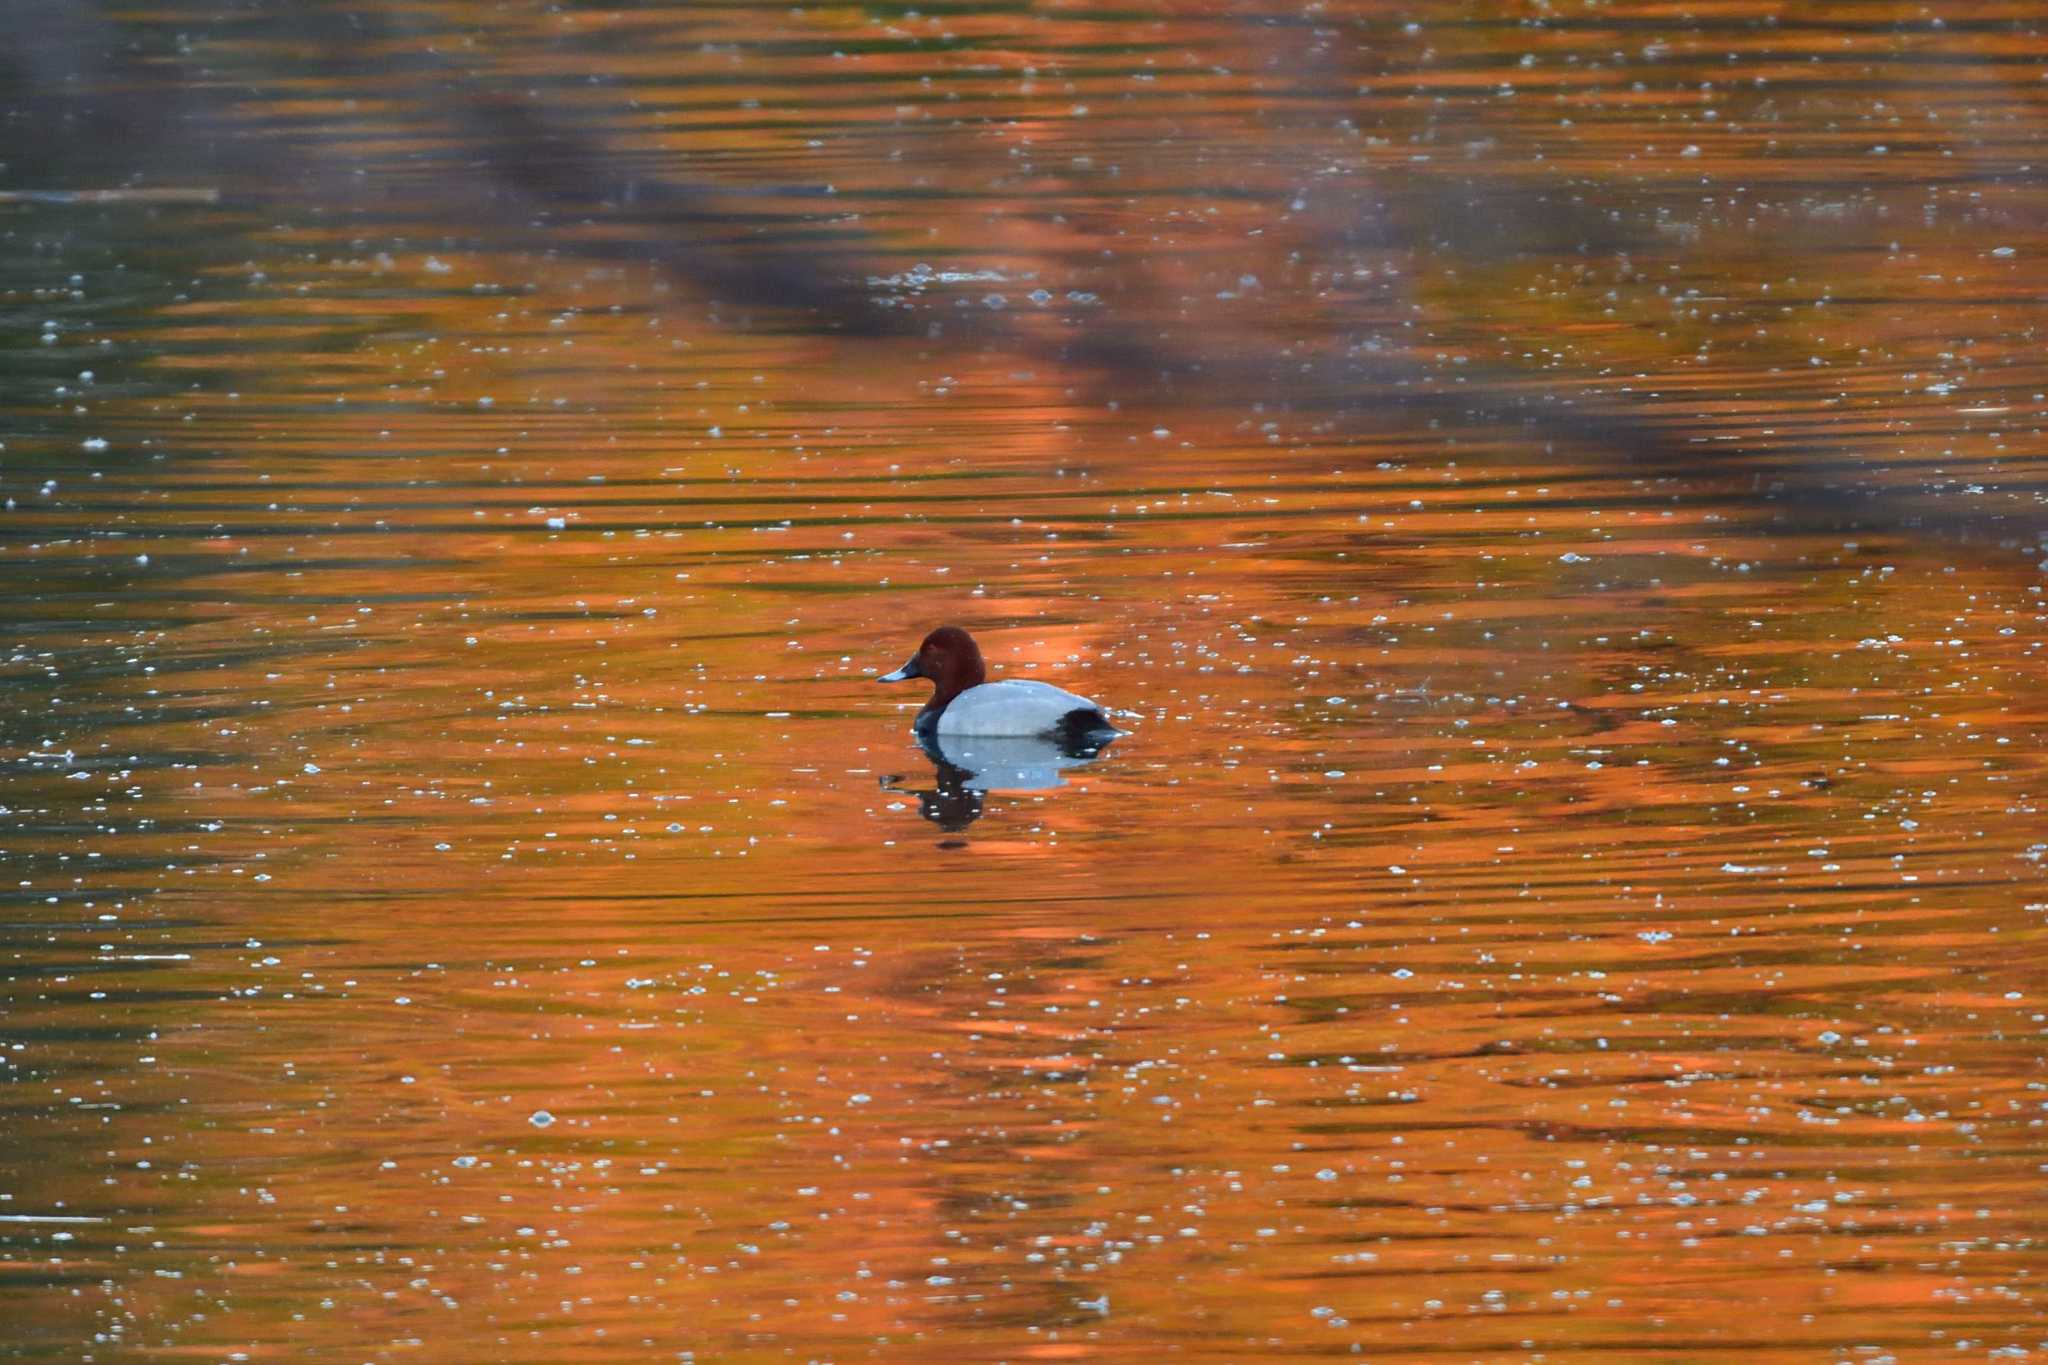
(966, 768)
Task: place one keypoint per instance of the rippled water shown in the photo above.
(1554, 494)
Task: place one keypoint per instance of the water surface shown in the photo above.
(1554, 496)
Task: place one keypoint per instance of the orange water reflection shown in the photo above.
(1575, 866)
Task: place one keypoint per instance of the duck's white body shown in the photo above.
(1016, 709)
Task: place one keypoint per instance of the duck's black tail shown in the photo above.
(1084, 732)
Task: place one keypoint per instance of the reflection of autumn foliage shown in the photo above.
(1450, 220)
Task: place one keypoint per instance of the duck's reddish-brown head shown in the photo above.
(951, 659)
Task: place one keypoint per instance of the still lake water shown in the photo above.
(1554, 493)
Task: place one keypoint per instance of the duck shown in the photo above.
(964, 702)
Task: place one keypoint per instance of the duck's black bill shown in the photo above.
(909, 670)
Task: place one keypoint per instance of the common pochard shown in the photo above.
(965, 702)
